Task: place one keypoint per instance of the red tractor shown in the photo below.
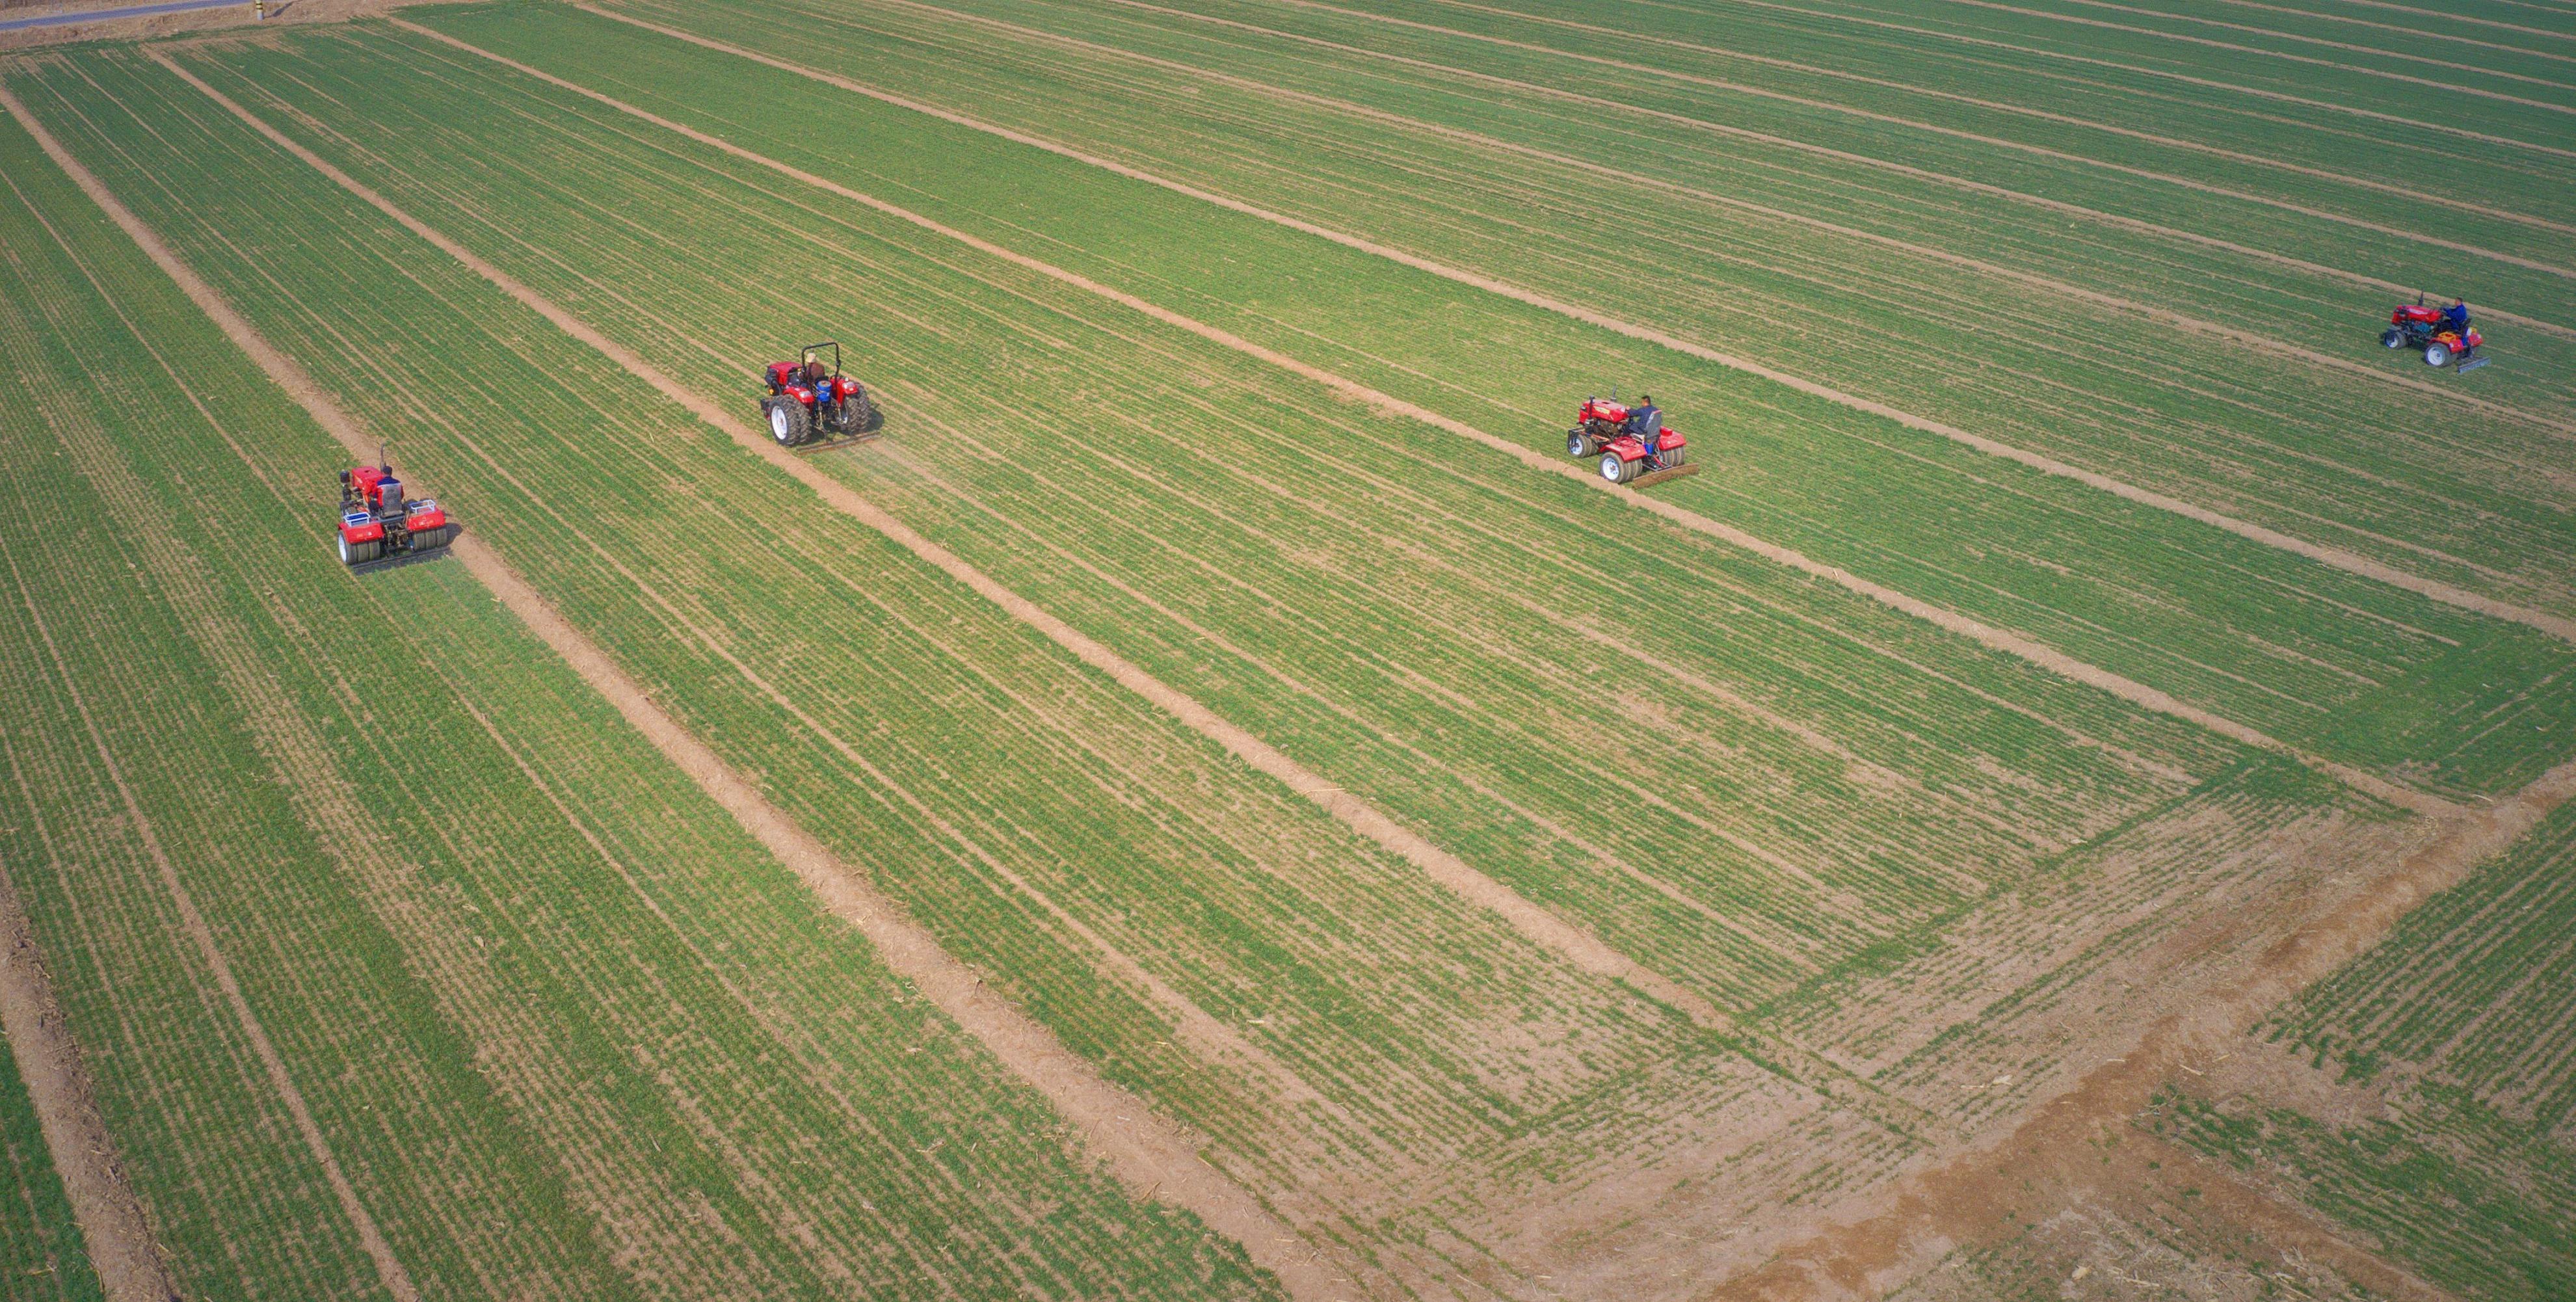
(379, 526)
(2442, 334)
(812, 409)
(1632, 442)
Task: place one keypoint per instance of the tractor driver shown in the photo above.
(1647, 423)
(2456, 316)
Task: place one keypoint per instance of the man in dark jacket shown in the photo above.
(1647, 423)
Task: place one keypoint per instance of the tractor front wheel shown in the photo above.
(2391, 337)
(789, 422)
(2437, 354)
(1614, 469)
(1578, 444)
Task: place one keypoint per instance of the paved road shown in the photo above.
(97, 15)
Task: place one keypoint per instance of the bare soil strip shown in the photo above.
(2350, 562)
(121, 1244)
(2065, 289)
(1147, 1152)
(389, 1268)
(1961, 1200)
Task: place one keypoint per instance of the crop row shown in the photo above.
(1644, 217)
(1928, 61)
(1020, 807)
(2472, 991)
(1429, 642)
(567, 1029)
(41, 1251)
(2517, 86)
(2113, 586)
(2482, 1207)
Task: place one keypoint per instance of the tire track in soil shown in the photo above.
(2350, 562)
(118, 1237)
(1962, 1201)
(1144, 1150)
(389, 1268)
(2035, 280)
(2132, 224)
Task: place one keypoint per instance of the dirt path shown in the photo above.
(1963, 1199)
(2350, 562)
(120, 1241)
(2251, 340)
(1147, 1152)
(389, 1268)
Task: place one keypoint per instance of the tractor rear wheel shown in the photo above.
(864, 416)
(358, 553)
(1676, 456)
(2391, 337)
(1578, 444)
(1614, 469)
(2437, 354)
(789, 422)
(431, 539)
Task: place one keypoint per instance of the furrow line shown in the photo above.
(2036, 280)
(2351, 562)
(1996, 639)
(121, 1245)
(389, 1268)
(1146, 1151)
